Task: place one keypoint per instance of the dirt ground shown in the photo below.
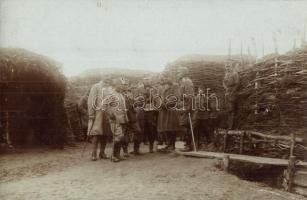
(63, 174)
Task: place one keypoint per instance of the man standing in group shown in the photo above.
(231, 83)
(146, 115)
(133, 125)
(150, 115)
(168, 119)
(117, 113)
(187, 99)
(201, 119)
(98, 124)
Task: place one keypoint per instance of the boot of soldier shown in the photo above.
(125, 149)
(151, 144)
(95, 146)
(94, 156)
(102, 154)
(116, 152)
(136, 148)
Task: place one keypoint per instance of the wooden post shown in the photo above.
(291, 172)
(226, 163)
(225, 141)
(7, 129)
(242, 142)
(292, 144)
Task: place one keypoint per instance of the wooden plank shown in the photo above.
(273, 137)
(300, 190)
(300, 179)
(243, 158)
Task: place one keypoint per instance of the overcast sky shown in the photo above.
(147, 34)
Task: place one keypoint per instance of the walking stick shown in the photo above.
(84, 146)
(91, 123)
(113, 143)
(192, 132)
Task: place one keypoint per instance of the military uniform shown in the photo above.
(201, 122)
(132, 127)
(231, 83)
(205, 118)
(98, 127)
(118, 120)
(168, 117)
(186, 95)
(148, 119)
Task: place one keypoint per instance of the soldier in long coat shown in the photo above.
(133, 125)
(168, 117)
(150, 116)
(118, 118)
(231, 83)
(136, 119)
(201, 119)
(146, 114)
(187, 99)
(98, 126)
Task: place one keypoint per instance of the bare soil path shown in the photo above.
(62, 174)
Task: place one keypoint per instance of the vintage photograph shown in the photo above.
(153, 99)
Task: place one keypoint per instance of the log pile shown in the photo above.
(273, 94)
(32, 98)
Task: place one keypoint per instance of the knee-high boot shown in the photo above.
(125, 149)
(116, 152)
(95, 146)
(151, 145)
(136, 147)
(103, 145)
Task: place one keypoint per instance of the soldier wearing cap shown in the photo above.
(186, 96)
(147, 116)
(168, 118)
(98, 126)
(230, 83)
(133, 125)
(117, 113)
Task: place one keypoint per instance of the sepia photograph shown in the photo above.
(153, 99)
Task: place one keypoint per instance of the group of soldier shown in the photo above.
(148, 112)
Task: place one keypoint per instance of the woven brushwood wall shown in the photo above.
(273, 94)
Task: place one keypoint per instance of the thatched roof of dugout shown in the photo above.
(32, 95)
